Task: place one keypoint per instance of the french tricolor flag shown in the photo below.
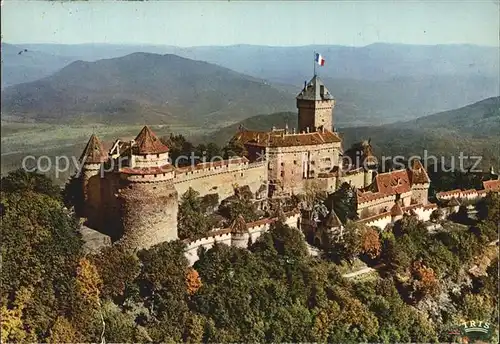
(319, 59)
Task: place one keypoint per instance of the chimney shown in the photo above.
(307, 130)
(305, 84)
(293, 131)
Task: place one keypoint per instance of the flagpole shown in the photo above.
(314, 63)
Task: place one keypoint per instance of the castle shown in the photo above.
(131, 191)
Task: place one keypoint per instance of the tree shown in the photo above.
(193, 281)
(343, 202)
(237, 205)
(234, 148)
(180, 149)
(436, 215)
(425, 280)
(370, 242)
(192, 222)
(118, 268)
(21, 181)
(62, 332)
(40, 248)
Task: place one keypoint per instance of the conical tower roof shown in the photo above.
(396, 209)
(239, 225)
(453, 202)
(148, 143)
(418, 173)
(315, 90)
(93, 153)
(332, 220)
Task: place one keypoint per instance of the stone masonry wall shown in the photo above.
(222, 180)
(149, 213)
(291, 166)
(315, 114)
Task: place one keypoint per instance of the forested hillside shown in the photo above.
(52, 290)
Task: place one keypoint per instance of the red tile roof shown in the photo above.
(94, 152)
(394, 182)
(280, 139)
(386, 184)
(491, 185)
(148, 143)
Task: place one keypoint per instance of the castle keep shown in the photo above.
(131, 191)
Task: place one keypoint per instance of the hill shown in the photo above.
(143, 87)
(472, 130)
(20, 64)
(479, 119)
(375, 84)
(290, 65)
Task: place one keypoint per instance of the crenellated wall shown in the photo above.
(423, 213)
(471, 194)
(225, 236)
(221, 179)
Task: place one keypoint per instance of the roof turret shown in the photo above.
(93, 153)
(148, 143)
(418, 173)
(396, 209)
(239, 226)
(315, 90)
(332, 220)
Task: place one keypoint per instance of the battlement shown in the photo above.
(228, 237)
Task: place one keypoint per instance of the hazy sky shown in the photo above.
(192, 23)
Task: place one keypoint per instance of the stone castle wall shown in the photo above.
(471, 194)
(148, 213)
(289, 167)
(357, 179)
(420, 193)
(423, 213)
(382, 204)
(224, 236)
(222, 179)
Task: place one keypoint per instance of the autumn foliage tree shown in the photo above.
(370, 242)
(193, 281)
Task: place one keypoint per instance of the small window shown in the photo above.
(241, 174)
(282, 173)
(282, 164)
(295, 162)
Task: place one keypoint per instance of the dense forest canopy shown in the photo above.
(53, 290)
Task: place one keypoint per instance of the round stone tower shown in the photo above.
(92, 159)
(240, 236)
(147, 197)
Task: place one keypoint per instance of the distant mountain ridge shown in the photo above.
(20, 64)
(143, 87)
(376, 84)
